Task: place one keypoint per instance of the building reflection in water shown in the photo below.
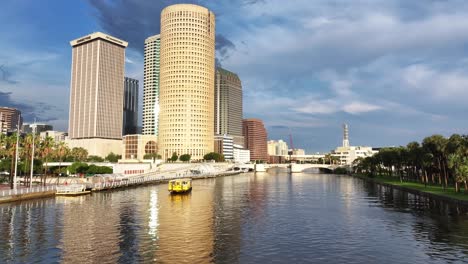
(185, 229)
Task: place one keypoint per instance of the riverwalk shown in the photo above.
(20, 194)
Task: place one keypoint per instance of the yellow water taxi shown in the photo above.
(180, 185)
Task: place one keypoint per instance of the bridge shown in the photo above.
(294, 167)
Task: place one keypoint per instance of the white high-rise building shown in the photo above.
(151, 85)
(277, 148)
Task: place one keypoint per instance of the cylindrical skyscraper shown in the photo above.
(187, 71)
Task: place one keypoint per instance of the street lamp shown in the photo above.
(32, 156)
(16, 155)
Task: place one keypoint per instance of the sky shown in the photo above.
(394, 70)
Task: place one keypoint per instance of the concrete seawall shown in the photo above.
(26, 196)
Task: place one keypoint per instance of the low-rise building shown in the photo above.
(240, 154)
(97, 146)
(348, 154)
(135, 147)
(224, 145)
(57, 136)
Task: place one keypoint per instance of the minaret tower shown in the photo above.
(345, 135)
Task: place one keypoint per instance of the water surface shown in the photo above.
(249, 218)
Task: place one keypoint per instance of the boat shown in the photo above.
(180, 185)
(72, 190)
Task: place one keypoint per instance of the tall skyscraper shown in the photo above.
(187, 81)
(130, 110)
(255, 139)
(97, 94)
(9, 118)
(151, 86)
(228, 105)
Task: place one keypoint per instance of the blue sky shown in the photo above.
(396, 71)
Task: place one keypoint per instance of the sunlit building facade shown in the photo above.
(186, 115)
(151, 85)
(255, 139)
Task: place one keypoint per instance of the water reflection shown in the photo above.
(250, 218)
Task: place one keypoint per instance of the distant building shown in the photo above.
(255, 139)
(57, 136)
(130, 109)
(151, 85)
(240, 155)
(9, 118)
(228, 105)
(277, 148)
(347, 154)
(186, 117)
(36, 128)
(224, 145)
(97, 93)
(135, 147)
(298, 152)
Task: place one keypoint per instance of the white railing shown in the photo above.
(37, 189)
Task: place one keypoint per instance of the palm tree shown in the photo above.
(61, 151)
(46, 148)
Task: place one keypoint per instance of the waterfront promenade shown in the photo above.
(108, 182)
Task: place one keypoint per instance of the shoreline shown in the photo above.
(40, 195)
(425, 193)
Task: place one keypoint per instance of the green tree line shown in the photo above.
(437, 160)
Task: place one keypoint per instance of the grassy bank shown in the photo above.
(431, 189)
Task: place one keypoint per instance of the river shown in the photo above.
(250, 218)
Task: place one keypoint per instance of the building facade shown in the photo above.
(130, 107)
(186, 115)
(255, 139)
(97, 88)
(58, 136)
(151, 85)
(36, 128)
(9, 118)
(224, 144)
(277, 148)
(240, 154)
(135, 147)
(228, 105)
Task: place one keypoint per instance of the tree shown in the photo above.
(214, 156)
(45, 150)
(174, 157)
(152, 156)
(94, 158)
(79, 154)
(112, 157)
(78, 167)
(185, 157)
(61, 151)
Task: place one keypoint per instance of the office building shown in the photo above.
(97, 94)
(130, 109)
(228, 105)
(36, 128)
(9, 118)
(255, 139)
(224, 145)
(186, 118)
(151, 85)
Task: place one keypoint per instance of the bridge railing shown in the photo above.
(20, 191)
